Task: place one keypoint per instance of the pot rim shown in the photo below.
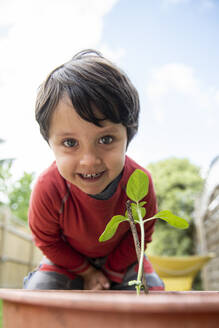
(122, 301)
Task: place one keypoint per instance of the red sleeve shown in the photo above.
(44, 222)
(125, 255)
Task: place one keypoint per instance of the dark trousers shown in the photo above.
(50, 279)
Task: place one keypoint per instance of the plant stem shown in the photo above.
(141, 268)
(141, 275)
(133, 229)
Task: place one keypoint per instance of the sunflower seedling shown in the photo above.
(136, 190)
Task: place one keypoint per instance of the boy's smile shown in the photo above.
(88, 156)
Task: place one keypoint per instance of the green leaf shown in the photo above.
(111, 227)
(137, 186)
(135, 213)
(172, 219)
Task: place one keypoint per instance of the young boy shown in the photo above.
(87, 110)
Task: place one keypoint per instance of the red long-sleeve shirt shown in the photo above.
(66, 223)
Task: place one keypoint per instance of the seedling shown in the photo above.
(136, 190)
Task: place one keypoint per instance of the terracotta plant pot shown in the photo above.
(65, 309)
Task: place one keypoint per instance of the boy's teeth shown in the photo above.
(92, 175)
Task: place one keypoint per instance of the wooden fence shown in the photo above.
(18, 255)
(207, 224)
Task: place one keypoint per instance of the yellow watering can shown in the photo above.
(178, 272)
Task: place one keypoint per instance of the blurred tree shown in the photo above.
(19, 196)
(177, 183)
(5, 175)
(14, 194)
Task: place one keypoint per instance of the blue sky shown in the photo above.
(169, 48)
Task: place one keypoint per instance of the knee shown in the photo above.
(43, 280)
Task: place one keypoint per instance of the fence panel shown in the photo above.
(18, 255)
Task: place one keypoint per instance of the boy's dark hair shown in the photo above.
(91, 82)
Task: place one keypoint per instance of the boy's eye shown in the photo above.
(70, 143)
(106, 140)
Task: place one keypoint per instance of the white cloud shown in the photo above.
(217, 97)
(43, 33)
(38, 36)
(179, 117)
(174, 88)
(172, 76)
(115, 55)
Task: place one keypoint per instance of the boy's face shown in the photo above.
(88, 156)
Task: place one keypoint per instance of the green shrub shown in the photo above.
(177, 184)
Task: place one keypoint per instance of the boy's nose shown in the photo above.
(90, 158)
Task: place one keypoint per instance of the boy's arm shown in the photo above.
(64, 255)
(44, 222)
(56, 249)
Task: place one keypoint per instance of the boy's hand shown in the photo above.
(95, 279)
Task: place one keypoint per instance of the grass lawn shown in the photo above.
(0, 313)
